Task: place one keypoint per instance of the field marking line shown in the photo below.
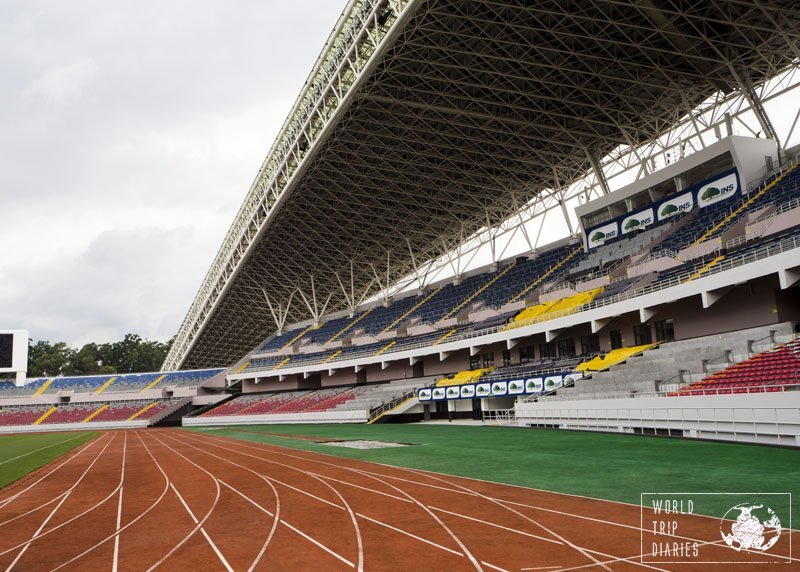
(39, 534)
(199, 523)
(514, 530)
(276, 517)
(428, 474)
(265, 449)
(10, 499)
(292, 528)
(197, 438)
(132, 522)
(351, 514)
(202, 530)
(391, 496)
(43, 448)
(551, 532)
(115, 560)
(36, 534)
(411, 499)
(414, 536)
(493, 567)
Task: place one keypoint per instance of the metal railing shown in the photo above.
(500, 416)
(778, 386)
(380, 411)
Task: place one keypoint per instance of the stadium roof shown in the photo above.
(424, 121)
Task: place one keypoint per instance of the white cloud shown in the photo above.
(131, 133)
(62, 83)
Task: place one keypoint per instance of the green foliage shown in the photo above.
(132, 354)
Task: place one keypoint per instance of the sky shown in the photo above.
(130, 133)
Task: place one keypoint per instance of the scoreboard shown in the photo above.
(14, 352)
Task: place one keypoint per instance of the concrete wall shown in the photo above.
(279, 418)
(768, 418)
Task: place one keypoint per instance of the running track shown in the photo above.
(177, 500)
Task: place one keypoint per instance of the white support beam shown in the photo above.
(385, 364)
(646, 314)
(598, 325)
(331, 371)
(551, 335)
(444, 355)
(512, 343)
(789, 277)
(414, 359)
(358, 368)
(711, 297)
(475, 350)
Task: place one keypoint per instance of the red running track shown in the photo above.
(174, 500)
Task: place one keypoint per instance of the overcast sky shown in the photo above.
(129, 135)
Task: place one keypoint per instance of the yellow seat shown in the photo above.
(612, 358)
(463, 377)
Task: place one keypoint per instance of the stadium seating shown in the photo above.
(21, 415)
(312, 401)
(614, 357)
(71, 413)
(463, 377)
(764, 372)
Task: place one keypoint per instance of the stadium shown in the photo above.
(516, 287)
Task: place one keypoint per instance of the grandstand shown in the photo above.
(468, 212)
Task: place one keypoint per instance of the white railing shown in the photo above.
(500, 416)
(764, 388)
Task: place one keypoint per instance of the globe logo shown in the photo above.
(755, 527)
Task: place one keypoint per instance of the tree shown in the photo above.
(132, 354)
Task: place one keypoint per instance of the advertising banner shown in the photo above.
(467, 391)
(718, 190)
(637, 221)
(683, 203)
(483, 389)
(499, 388)
(534, 385)
(516, 387)
(453, 392)
(552, 382)
(601, 234)
(438, 393)
(424, 394)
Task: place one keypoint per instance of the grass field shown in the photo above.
(607, 466)
(21, 454)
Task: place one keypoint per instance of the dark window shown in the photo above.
(526, 354)
(548, 350)
(616, 339)
(566, 348)
(488, 360)
(474, 362)
(665, 331)
(642, 335)
(506, 357)
(590, 344)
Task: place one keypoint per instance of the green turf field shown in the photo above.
(608, 466)
(21, 454)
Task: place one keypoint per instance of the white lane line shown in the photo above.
(551, 532)
(88, 445)
(199, 524)
(351, 514)
(65, 495)
(42, 448)
(514, 530)
(395, 497)
(36, 534)
(202, 531)
(131, 523)
(447, 529)
(290, 527)
(414, 536)
(493, 567)
(114, 564)
(276, 517)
